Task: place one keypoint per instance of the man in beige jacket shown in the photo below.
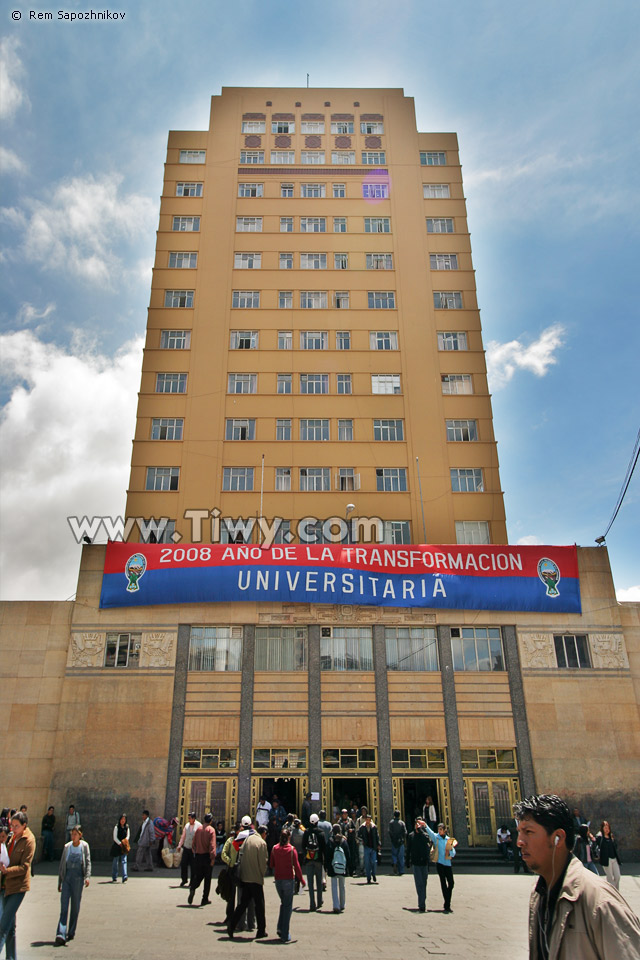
(572, 914)
(252, 866)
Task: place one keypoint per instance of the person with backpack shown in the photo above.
(398, 837)
(418, 852)
(313, 846)
(337, 861)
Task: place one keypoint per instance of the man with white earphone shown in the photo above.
(572, 914)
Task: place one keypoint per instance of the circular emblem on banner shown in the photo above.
(134, 569)
(549, 573)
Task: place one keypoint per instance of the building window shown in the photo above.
(175, 339)
(339, 191)
(391, 480)
(243, 340)
(283, 429)
(416, 758)
(385, 383)
(283, 478)
(186, 224)
(436, 191)
(246, 299)
(313, 261)
(285, 299)
(473, 532)
(178, 298)
(314, 340)
(193, 156)
(466, 480)
(370, 126)
(279, 758)
(123, 650)
(249, 224)
(488, 759)
(443, 261)
(286, 224)
(381, 300)
(243, 383)
(477, 648)
(285, 340)
(341, 261)
(253, 126)
(341, 299)
(159, 531)
(281, 648)
(377, 224)
(343, 340)
(162, 478)
(215, 648)
(339, 224)
(284, 383)
(456, 383)
(375, 191)
(313, 299)
(346, 648)
(314, 430)
(383, 340)
(237, 478)
(312, 191)
(283, 532)
(209, 758)
(462, 431)
(171, 383)
(347, 479)
(344, 383)
(379, 261)
(286, 190)
(411, 648)
(251, 156)
(396, 531)
(240, 429)
(314, 383)
(388, 430)
(572, 651)
(183, 261)
(166, 428)
(313, 225)
(286, 261)
(349, 758)
(283, 126)
(345, 431)
(433, 158)
(250, 189)
(374, 158)
(312, 156)
(447, 300)
(312, 126)
(312, 532)
(283, 156)
(343, 157)
(188, 189)
(315, 479)
(247, 261)
(342, 126)
(452, 340)
(439, 225)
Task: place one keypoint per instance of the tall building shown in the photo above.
(314, 355)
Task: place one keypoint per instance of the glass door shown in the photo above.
(490, 805)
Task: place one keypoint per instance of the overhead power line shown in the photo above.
(625, 486)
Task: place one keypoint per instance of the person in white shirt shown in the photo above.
(185, 844)
(503, 839)
(262, 812)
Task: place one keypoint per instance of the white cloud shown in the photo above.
(629, 595)
(531, 540)
(85, 228)
(68, 424)
(28, 314)
(503, 359)
(12, 96)
(10, 162)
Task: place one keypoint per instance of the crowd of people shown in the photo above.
(567, 904)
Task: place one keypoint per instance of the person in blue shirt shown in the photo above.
(446, 849)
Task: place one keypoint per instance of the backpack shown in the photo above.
(312, 845)
(339, 861)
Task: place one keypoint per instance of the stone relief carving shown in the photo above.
(86, 650)
(157, 650)
(537, 650)
(608, 651)
(343, 613)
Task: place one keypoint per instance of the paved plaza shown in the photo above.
(149, 918)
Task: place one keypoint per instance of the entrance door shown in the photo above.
(414, 795)
(209, 795)
(339, 792)
(285, 789)
(490, 805)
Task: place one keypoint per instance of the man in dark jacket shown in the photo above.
(313, 847)
(306, 811)
(368, 837)
(398, 837)
(418, 850)
(348, 830)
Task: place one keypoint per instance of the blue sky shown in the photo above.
(544, 99)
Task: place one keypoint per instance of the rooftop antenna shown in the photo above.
(307, 81)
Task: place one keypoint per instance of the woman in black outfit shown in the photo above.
(609, 857)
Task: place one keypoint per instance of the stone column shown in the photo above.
(384, 730)
(523, 744)
(315, 710)
(456, 786)
(246, 721)
(174, 765)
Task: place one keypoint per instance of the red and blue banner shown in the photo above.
(537, 578)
